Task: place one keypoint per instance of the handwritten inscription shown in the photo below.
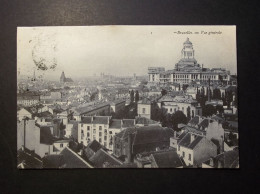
(202, 32)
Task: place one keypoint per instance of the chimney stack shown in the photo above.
(129, 155)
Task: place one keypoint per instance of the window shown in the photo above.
(81, 124)
(88, 128)
(88, 135)
(100, 128)
(143, 110)
(189, 157)
(94, 137)
(100, 140)
(105, 144)
(183, 154)
(110, 132)
(94, 130)
(61, 145)
(171, 109)
(82, 131)
(100, 133)
(105, 138)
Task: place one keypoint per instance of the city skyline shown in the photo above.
(119, 50)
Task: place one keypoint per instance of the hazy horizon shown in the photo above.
(119, 50)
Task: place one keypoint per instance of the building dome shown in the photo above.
(187, 41)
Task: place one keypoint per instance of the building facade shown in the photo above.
(187, 70)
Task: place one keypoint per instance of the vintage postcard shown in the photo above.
(127, 97)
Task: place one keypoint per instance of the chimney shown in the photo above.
(175, 134)
(192, 137)
(129, 153)
(209, 91)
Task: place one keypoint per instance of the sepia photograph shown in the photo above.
(123, 96)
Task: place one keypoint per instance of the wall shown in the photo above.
(23, 113)
(186, 157)
(147, 113)
(30, 134)
(204, 150)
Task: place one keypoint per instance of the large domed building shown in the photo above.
(187, 70)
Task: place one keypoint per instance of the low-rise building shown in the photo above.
(194, 149)
(117, 106)
(144, 108)
(229, 159)
(184, 103)
(27, 100)
(132, 141)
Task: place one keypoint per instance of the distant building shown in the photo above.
(187, 70)
(184, 103)
(102, 109)
(117, 106)
(144, 108)
(101, 129)
(63, 79)
(27, 100)
(93, 128)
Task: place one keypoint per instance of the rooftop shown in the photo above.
(167, 159)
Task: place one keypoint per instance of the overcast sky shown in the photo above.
(120, 50)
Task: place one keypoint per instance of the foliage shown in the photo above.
(178, 118)
(136, 96)
(132, 96)
(163, 92)
(208, 110)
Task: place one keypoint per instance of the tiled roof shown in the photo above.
(86, 120)
(28, 97)
(204, 123)
(28, 159)
(195, 142)
(128, 123)
(145, 121)
(115, 124)
(94, 145)
(53, 161)
(167, 159)
(73, 160)
(152, 134)
(82, 110)
(229, 159)
(186, 141)
(103, 158)
(117, 102)
(100, 120)
(43, 114)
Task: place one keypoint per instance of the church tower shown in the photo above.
(62, 77)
